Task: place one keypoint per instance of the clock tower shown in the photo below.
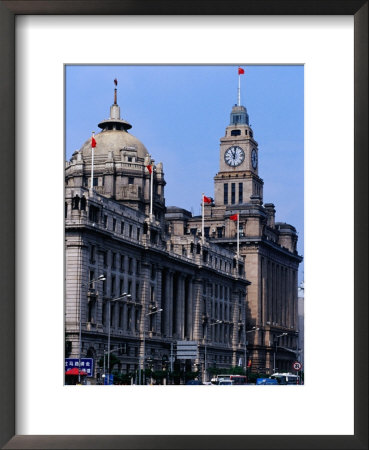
(238, 180)
(239, 220)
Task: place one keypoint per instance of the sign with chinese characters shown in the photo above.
(87, 365)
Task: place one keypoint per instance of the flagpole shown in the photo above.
(203, 220)
(238, 235)
(151, 190)
(239, 89)
(92, 162)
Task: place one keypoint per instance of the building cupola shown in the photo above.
(239, 116)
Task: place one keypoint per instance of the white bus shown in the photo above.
(286, 378)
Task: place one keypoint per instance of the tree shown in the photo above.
(112, 362)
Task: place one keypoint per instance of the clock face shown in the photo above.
(234, 156)
(254, 159)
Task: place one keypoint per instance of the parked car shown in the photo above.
(193, 382)
(266, 381)
(225, 383)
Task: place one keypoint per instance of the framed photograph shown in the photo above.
(50, 50)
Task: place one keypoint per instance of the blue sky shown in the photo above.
(180, 112)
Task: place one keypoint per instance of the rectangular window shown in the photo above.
(113, 286)
(240, 192)
(121, 227)
(235, 132)
(113, 260)
(103, 317)
(122, 263)
(226, 193)
(105, 221)
(131, 180)
(130, 266)
(233, 194)
(121, 286)
(130, 230)
(92, 254)
(96, 181)
(219, 232)
(105, 258)
(114, 224)
(120, 316)
(206, 231)
(93, 214)
(138, 234)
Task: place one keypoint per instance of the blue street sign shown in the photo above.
(87, 365)
(108, 379)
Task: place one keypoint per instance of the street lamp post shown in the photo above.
(124, 295)
(142, 359)
(217, 322)
(246, 332)
(275, 348)
(99, 278)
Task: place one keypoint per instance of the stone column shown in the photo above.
(189, 300)
(146, 292)
(169, 304)
(159, 316)
(268, 293)
(235, 318)
(197, 310)
(264, 292)
(289, 295)
(284, 296)
(274, 278)
(278, 281)
(180, 306)
(294, 296)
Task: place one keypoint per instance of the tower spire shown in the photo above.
(114, 122)
(115, 91)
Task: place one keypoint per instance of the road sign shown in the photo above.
(297, 365)
(187, 350)
(87, 365)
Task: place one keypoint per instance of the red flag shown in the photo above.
(234, 217)
(207, 199)
(115, 81)
(240, 71)
(149, 168)
(93, 142)
(249, 363)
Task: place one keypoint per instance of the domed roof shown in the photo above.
(114, 141)
(114, 137)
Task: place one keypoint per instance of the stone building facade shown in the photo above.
(268, 248)
(178, 287)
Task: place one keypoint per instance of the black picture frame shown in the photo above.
(8, 10)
